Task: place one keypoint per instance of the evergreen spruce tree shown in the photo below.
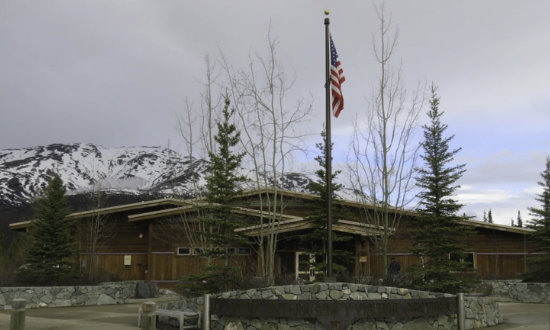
(519, 220)
(436, 239)
(4, 260)
(52, 252)
(222, 185)
(3, 249)
(484, 216)
(490, 216)
(541, 224)
(315, 241)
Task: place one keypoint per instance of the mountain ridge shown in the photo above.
(84, 168)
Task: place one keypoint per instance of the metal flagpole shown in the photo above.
(328, 145)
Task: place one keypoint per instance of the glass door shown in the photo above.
(304, 268)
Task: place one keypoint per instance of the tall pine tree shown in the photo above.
(490, 216)
(519, 220)
(315, 241)
(223, 184)
(541, 224)
(436, 239)
(220, 222)
(52, 253)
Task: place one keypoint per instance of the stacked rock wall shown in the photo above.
(479, 312)
(521, 291)
(63, 296)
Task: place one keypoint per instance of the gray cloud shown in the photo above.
(116, 73)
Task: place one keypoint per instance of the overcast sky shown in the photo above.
(117, 73)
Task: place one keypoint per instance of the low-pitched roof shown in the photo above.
(109, 210)
(494, 226)
(286, 222)
(309, 196)
(299, 223)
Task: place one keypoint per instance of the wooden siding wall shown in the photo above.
(168, 267)
(110, 266)
(120, 238)
(497, 254)
(487, 266)
(124, 237)
(152, 247)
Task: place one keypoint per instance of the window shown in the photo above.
(232, 251)
(183, 251)
(244, 251)
(467, 261)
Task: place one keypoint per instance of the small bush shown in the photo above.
(438, 279)
(215, 279)
(11, 259)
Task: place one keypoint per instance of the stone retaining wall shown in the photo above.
(479, 312)
(521, 291)
(63, 296)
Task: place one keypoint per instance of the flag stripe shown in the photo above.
(337, 78)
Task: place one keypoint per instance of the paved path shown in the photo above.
(106, 317)
(524, 316)
(122, 317)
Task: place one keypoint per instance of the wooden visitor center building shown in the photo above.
(154, 240)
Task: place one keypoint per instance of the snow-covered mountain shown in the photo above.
(88, 167)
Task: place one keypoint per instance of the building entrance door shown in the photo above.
(304, 268)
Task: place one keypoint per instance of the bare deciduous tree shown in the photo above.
(191, 124)
(97, 228)
(208, 118)
(259, 95)
(93, 231)
(187, 129)
(383, 149)
(209, 104)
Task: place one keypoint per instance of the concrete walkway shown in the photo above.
(524, 316)
(105, 317)
(122, 317)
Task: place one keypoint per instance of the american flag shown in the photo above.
(337, 78)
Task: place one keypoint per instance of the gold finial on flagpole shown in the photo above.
(327, 12)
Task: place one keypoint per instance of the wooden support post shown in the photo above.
(149, 275)
(460, 313)
(357, 244)
(148, 318)
(206, 316)
(368, 269)
(17, 319)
